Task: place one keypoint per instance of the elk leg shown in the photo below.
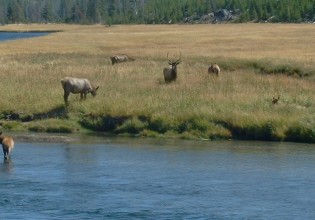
(5, 153)
(65, 97)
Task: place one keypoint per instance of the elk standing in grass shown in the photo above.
(275, 100)
(170, 73)
(77, 85)
(7, 145)
(214, 68)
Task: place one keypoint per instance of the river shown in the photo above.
(5, 36)
(118, 178)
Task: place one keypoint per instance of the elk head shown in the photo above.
(174, 63)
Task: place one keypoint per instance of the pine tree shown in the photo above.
(151, 11)
(47, 12)
(92, 12)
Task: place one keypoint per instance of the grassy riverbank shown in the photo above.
(258, 62)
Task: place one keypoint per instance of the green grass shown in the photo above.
(133, 98)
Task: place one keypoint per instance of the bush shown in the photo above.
(266, 131)
(132, 126)
(52, 126)
(12, 125)
(301, 132)
(102, 123)
(162, 125)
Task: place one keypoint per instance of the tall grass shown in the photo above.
(133, 97)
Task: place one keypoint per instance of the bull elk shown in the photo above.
(214, 68)
(170, 73)
(7, 145)
(77, 85)
(120, 58)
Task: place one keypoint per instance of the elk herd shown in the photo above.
(84, 86)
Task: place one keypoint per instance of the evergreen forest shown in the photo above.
(153, 11)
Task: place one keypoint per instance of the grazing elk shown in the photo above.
(7, 145)
(77, 85)
(214, 68)
(275, 100)
(120, 58)
(170, 73)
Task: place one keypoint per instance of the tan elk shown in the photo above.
(120, 58)
(214, 68)
(7, 145)
(77, 85)
(170, 73)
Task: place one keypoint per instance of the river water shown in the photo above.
(4, 36)
(118, 178)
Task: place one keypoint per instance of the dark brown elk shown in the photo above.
(275, 100)
(77, 85)
(120, 58)
(7, 145)
(170, 73)
(214, 68)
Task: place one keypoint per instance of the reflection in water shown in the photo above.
(159, 179)
(7, 166)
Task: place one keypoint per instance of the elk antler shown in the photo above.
(180, 57)
(177, 61)
(170, 61)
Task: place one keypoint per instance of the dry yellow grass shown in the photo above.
(31, 70)
(280, 41)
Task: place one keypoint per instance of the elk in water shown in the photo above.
(170, 73)
(77, 85)
(120, 58)
(7, 145)
(214, 68)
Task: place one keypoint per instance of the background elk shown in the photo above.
(120, 58)
(77, 85)
(170, 73)
(275, 100)
(7, 145)
(214, 68)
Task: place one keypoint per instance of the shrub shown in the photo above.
(52, 126)
(103, 123)
(301, 132)
(265, 131)
(162, 125)
(133, 126)
(195, 123)
(12, 125)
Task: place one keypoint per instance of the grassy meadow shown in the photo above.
(258, 62)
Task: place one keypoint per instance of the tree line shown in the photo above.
(151, 11)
